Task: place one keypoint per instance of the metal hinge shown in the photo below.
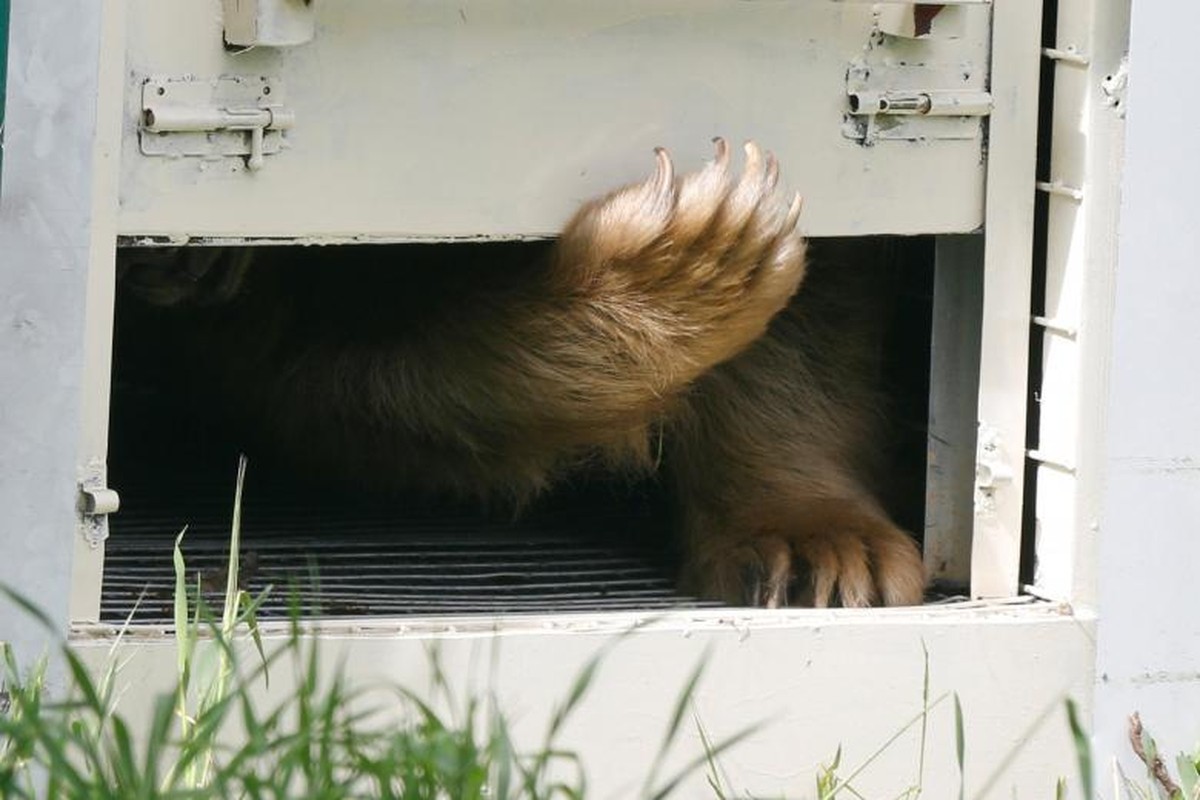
(229, 117)
(268, 23)
(993, 470)
(1115, 86)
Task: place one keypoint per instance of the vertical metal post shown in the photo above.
(953, 400)
(88, 561)
(1083, 205)
(1007, 276)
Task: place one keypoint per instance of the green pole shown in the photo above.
(3, 72)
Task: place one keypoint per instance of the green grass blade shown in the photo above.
(681, 706)
(501, 753)
(920, 786)
(184, 636)
(28, 607)
(583, 681)
(160, 729)
(699, 761)
(683, 702)
(960, 748)
(82, 683)
(844, 783)
(1083, 749)
(715, 779)
(250, 617)
(183, 632)
(122, 760)
(827, 779)
(232, 595)
(1189, 776)
(186, 629)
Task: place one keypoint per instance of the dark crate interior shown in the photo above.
(593, 544)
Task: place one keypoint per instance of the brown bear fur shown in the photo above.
(658, 332)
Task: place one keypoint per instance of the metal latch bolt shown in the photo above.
(95, 502)
(931, 104)
(255, 120)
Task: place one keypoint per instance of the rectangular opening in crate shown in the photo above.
(338, 540)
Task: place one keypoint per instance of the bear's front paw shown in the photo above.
(851, 561)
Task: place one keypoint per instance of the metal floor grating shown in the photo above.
(590, 547)
(580, 552)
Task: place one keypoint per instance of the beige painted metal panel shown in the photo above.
(815, 680)
(1007, 277)
(87, 564)
(418, 119)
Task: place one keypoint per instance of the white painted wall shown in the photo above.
(1149, 552)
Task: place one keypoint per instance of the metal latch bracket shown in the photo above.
(233, 116)
(95, 502)
(896, 102)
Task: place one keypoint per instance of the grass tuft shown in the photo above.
(210, 736)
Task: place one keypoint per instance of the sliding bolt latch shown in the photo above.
(235, 116)
(931, 103)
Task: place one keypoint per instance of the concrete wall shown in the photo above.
(46, 207)
(1149, 558)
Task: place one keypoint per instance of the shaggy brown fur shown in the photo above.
(638, 336)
